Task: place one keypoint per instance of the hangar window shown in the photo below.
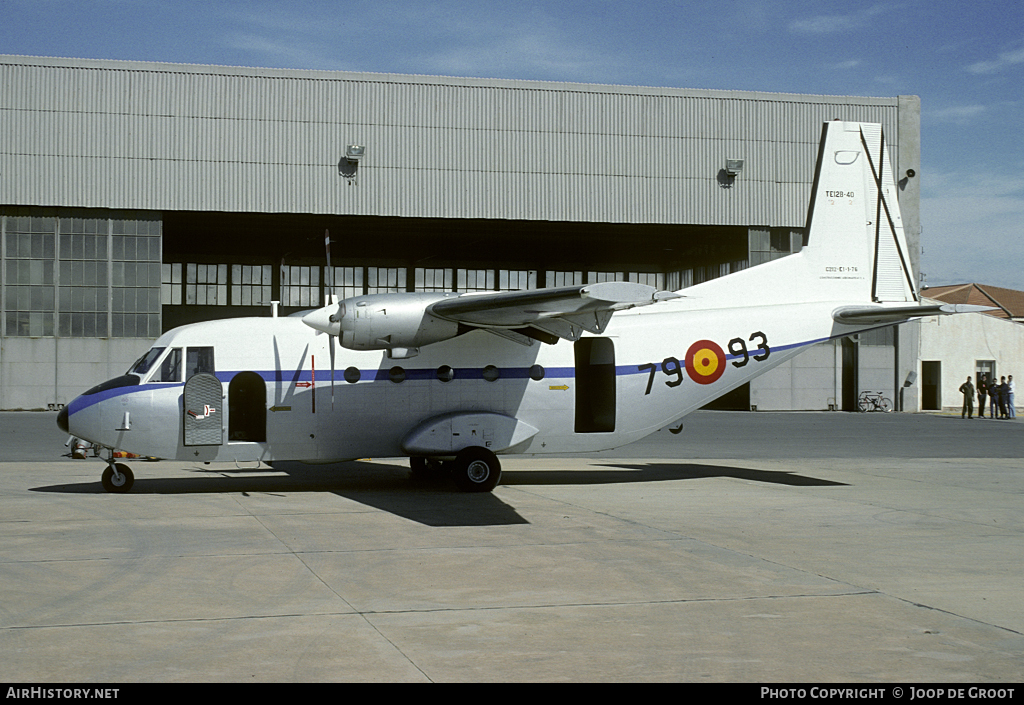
(251, 284)
(206, 284)
(475, 280)
(674, 281)
(29, 253)
(170, 283)
(300, 286)
(655, 279)
(343, 282)
(433, 279)
(517, 280)
(385, 280)
(135, 277)
(564, 279)
(77, 273)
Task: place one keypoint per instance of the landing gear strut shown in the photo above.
(425, 469)
(118, 477)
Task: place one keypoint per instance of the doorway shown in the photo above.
(247, 408)
(850, 377)
(931, 385)
(595, 385)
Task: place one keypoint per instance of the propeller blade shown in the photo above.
(331, 298)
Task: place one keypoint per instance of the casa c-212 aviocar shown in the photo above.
(455, 381)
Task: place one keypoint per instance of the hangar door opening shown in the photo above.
(931, 385)
(595, 385)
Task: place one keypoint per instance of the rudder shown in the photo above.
(855, 230)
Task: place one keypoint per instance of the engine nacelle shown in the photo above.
(394, 322)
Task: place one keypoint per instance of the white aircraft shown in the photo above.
(455, 380)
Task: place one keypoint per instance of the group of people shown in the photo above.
(1000, 397)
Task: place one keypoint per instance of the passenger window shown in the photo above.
(199, 360)
(170, 368)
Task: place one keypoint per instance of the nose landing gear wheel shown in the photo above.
(118, 477)
(476, 470)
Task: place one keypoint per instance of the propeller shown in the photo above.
(331, 299)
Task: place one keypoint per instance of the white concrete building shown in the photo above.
(955, 347)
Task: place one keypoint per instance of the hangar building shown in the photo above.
(135, 197)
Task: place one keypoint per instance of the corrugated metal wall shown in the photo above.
(173, 137)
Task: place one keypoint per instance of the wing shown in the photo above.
(897, 314)
(547, 314)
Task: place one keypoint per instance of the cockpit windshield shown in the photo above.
(144, 363)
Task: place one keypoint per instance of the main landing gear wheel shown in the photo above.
(118, 477)
(476, 470)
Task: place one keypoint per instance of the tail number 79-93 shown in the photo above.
(705, 361)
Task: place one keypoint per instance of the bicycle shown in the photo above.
(874, 401)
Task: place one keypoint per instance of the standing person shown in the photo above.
(982, 393)
(1004, 393)
(993, 399)
(1013, 392)
(967, 389)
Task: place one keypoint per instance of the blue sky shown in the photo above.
(965, 61)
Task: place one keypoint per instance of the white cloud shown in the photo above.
(830, 24)
(1006, 58)
(958, 114)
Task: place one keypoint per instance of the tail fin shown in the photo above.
(855, 234)
(855, 251)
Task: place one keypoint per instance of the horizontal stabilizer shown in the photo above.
(897, 314)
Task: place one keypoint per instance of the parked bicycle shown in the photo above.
(874, 401)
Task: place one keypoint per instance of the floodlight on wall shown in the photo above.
(733, 167)
(354, 152)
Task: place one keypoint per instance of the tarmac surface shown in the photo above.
(750, 547)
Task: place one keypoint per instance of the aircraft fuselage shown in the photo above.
(277, 399)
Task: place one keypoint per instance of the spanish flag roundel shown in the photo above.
(705, 362)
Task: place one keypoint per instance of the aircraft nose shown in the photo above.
(62, 420)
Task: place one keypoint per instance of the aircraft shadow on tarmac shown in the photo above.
(432, 502)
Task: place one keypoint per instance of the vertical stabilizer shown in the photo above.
(855, 231)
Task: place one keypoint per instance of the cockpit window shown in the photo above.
(142, 365)
(199, 360)
(170, 368)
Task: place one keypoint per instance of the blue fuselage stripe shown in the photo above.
(384, 375)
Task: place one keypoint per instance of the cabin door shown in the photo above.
(203, 415)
